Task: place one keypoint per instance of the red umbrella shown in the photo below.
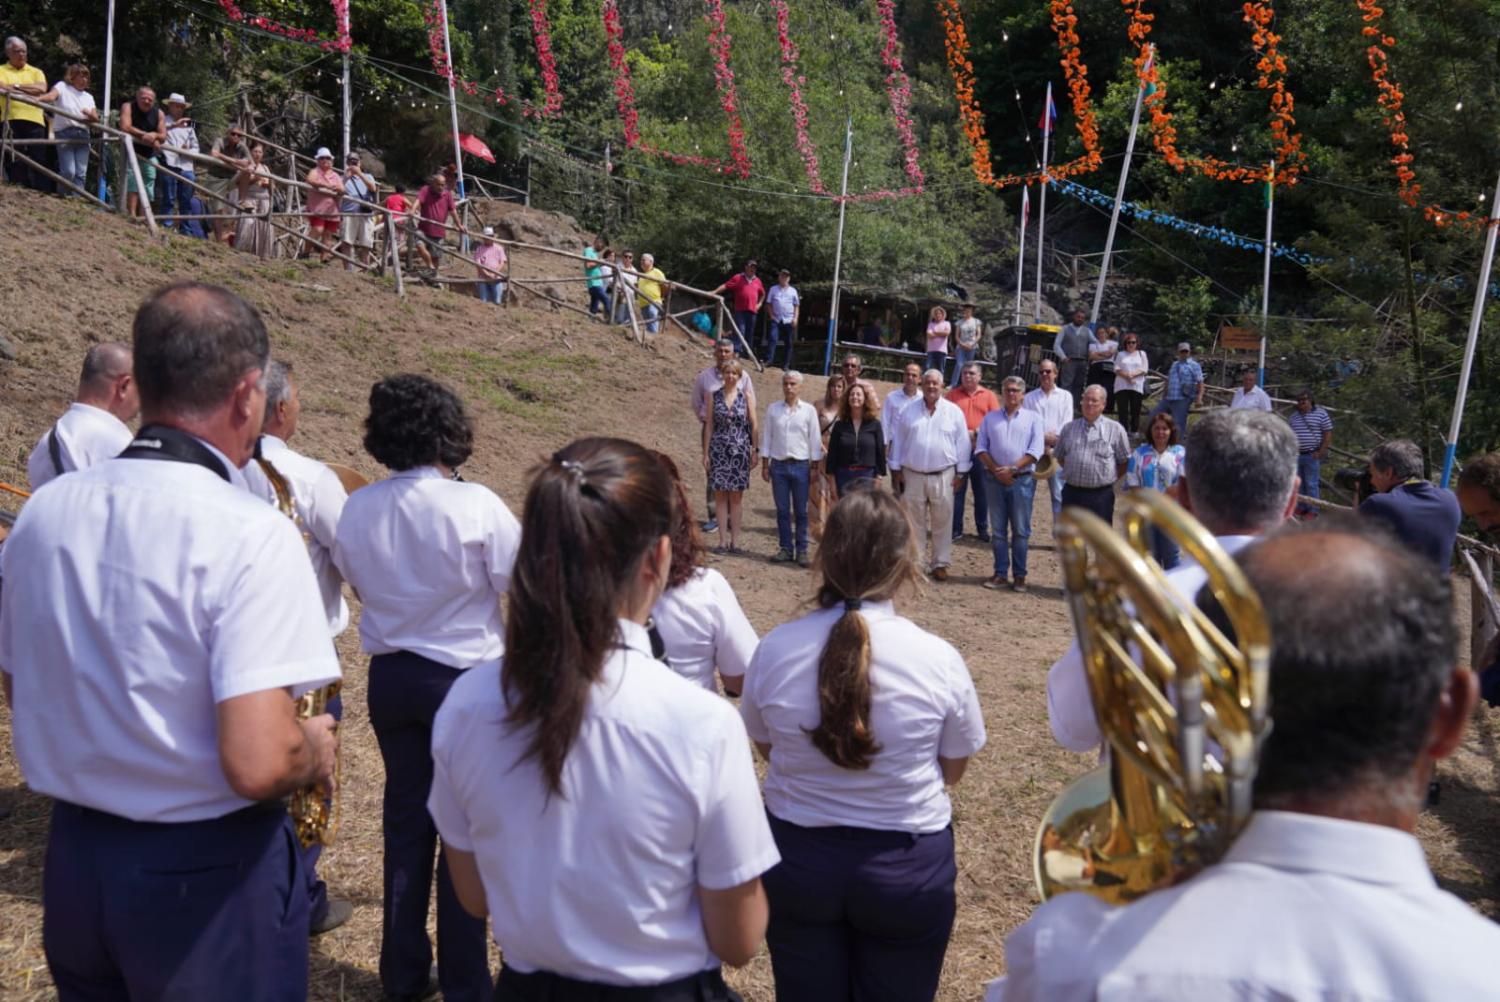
(475, 147)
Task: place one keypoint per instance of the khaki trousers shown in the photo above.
(929, 501)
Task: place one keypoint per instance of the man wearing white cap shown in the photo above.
(179, 176)
(323, 203)
(490, 259)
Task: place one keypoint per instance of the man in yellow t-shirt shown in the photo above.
(649, 288)
(26, 121)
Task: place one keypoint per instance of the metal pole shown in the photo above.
(346, 107)
(458, 156)
(1481, 294)
(1021, 252)
(1041, 221)
(1114, 217)
(109, 68)
(838, 246)
(1265, 281)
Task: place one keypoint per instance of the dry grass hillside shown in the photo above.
(535, 378)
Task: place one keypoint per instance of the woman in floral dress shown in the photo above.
(729, 437)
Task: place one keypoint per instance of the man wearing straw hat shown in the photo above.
(178, 174)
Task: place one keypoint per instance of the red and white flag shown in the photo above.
(1025, 206)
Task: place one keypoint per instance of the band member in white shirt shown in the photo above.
(698, 618)
(930, 457)
(156, 624)
(430, 557)
(1329, 889)
(317, 498)
(602, 809)
(864, 718)
(93, 428)
(791, 458)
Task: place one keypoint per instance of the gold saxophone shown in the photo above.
(1183, 708)
(314, 809)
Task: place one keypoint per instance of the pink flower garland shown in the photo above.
(718, 43)
(541, 31)
(898, 87)
(340, 18)
(794, 80)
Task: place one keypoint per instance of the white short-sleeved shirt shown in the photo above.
(923, 706)
(318, 496)
(703, 627)
(86, 435)
(1256, 399)
(658, 799)
(138, 595)
(890, 415)
(1301, 909)
(430, 559)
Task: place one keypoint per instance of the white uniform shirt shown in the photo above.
(890, 414)
(922, 706)
(318, 497)
(1056, 408)
(86, 435)
(138, 595)
(1070, 708)
(931, 441)
(791, 432)
(1301, 909)
(431, 559)
(659, 798)
(1256, 399)
(702, 625)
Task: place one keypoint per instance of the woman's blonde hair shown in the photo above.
(731, 365)
(937, 313)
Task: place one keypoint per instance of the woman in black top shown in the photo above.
(856, 443)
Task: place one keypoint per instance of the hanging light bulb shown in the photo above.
(1459, 106)
(1004, 36)
(1213, 85)
(1234, 147)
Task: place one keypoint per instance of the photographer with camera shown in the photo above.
(1422, 515)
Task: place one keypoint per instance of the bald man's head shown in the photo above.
(107, 380)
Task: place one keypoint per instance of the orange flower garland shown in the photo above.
(1290, 160)
(956, 43)
(1390, 99)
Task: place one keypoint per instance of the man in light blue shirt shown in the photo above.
(1184, 387)
(1009, 442)
(786, 307)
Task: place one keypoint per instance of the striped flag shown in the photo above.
(1049, 114)
(1025, 206)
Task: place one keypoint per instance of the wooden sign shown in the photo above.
(1239, 338)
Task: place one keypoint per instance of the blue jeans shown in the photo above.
(1310, 470)
(745, 321)
(177, 196)
(789, 480)
(778, 331)
(935, 360)
(491, 292)
(961, 357)
(73, 158)
(842, 478)
(598, 300)
(1010, 522)
(1164, 551)
(975, 477)
(1179, 411)
(651, 314)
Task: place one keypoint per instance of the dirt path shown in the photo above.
(536, 379)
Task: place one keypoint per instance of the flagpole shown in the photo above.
(1265, 282)
(346, 107)
(1481, 295)
(1041, 220)
(838, 246)
(458, 157)
(109, 67)
(1114, 217)
(1021, 251)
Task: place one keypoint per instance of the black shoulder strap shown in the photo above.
(55, 451)
(156, 441)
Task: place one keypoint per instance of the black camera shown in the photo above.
(1356, 480)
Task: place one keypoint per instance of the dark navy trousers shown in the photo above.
(146, 912)
(859, 915)
(405, 692)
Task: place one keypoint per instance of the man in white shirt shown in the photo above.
(1248, 394)
(317, 498)
(1326, 890)
(1009, 442)
(1055, 405)
(156, 624)
(1242, 483)
(929, 456)
(910, 393)
(93, 429)
(791, 453)
(704, 386)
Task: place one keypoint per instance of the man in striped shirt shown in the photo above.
(1314, 430)
(1093, 451)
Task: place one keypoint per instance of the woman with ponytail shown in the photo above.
(600, 808)
(863, 717)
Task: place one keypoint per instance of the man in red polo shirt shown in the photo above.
(747, 294)
(975, 401)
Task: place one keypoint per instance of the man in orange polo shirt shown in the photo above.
(975, 401)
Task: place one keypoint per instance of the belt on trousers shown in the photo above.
(927, 473)
(1308, 452)
(703, 985)
(1081, 487)
(804, 462)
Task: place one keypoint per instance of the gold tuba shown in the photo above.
(1183, 709)
(314, 809)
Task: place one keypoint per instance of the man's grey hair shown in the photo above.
(103, 364)
(193, 344)
(933, 372)
(1242, 469)
(724, 342)
(14, 41)
(855, 359)
(793, 375)
(648, 257)
(1401, 457)
(1096, 390)
(278, 385)
(1010, 381)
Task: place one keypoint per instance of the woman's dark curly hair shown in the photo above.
(415, 421)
